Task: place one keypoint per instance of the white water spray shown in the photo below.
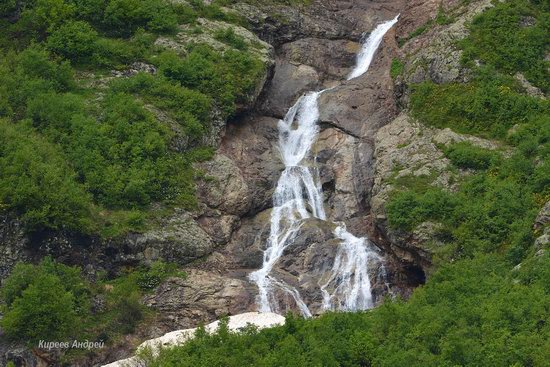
(364, 58)
(298, 196)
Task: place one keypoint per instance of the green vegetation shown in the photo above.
(52, 300)
(228, 78)
(466, 155)
(488, 106)
(493, 210)
(396, 68)
(229, 37)
(513, 37)
(37, 182)
(92, 159)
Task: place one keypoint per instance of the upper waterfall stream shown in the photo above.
(298, 196)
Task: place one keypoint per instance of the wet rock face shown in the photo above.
(362, 105)
(290, 81)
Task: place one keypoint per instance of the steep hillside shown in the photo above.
(140, 153)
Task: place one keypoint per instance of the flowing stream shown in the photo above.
(299, 196)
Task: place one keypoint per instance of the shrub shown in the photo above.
(43, 301)
(158, 272)
(228, 78)
(44, 310)
(89, 10)
(112, 52)
(488, 106)
(31, 72)
(44, 16)
(76, 41)
(185, 13)
(190, 108)
(7, 8)
(37, 183)
(446, 322)
(124, 17)
(466, 155)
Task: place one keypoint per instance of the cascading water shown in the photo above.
(369, 48)
(298, 196)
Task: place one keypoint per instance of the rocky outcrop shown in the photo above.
(200, 297)
(405, 147)
(433, 55)
(334, 19)
(177, 239)
(543, 218)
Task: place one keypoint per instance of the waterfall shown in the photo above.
(299, 196)
(365, 56)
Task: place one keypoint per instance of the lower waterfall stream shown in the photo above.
(298, 196)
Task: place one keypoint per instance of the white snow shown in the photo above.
(259, 319)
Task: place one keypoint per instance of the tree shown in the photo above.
(44, 310)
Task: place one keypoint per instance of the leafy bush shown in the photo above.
(112, 52)
(74, 40)
(52, 301)
(408, 208)
(466, 155)
(89, 10)
(190, 108)
(148, 279)
(483, 216)
(121, 155)
(124, 17)
(228, 78)
(43, 301)
(44, 16)
(7, 8)
(37, 183)
(27, 74)
(44, 310)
